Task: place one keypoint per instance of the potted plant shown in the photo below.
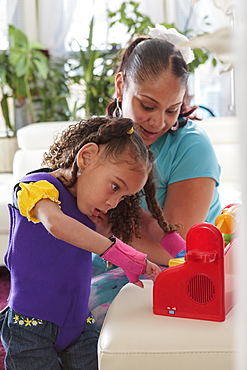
(24, 64)
(54, 93)
(33, 88)
(94, 69)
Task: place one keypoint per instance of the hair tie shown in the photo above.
(174, 37)
(130, 131)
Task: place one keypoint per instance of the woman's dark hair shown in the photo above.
(119, 146)
(145, 59)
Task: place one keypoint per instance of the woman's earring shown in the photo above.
(175, 126)
(117, 113)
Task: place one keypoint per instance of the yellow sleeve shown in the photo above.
(29, 195)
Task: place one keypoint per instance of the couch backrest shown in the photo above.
(224, 134)
(35, 139)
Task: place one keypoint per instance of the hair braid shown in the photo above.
(155, 208)
(153, 205)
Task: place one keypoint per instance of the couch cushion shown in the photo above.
(221, 129)
(26, 161)
(33, 141)
(224, 135)
(39, 135)
(132, 337)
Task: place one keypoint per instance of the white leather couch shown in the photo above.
(132, 336)
(34, 139)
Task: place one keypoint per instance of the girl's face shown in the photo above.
(154, 106)
(101, 185)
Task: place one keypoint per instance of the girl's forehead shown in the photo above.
(128, 158)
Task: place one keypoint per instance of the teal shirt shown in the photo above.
(185, 154)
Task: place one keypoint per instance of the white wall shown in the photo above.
(241, 84)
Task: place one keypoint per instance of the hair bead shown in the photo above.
(130, 131)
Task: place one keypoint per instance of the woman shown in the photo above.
(151, 87)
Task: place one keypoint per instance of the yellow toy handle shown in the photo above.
(227, 220)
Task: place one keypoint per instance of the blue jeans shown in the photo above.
(29, 345)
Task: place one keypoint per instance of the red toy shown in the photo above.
(203, 286)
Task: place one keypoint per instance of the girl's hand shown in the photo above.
(152, 270)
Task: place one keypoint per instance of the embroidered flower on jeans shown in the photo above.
(90, 320)
(26, 321)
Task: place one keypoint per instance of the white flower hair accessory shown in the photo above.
(174, 37)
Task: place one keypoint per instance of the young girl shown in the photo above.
(92, 167)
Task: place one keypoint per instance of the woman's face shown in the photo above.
(154, 106)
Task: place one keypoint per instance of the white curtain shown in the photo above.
(45, 21)
(8, 9)
(11, 8)
(154, 9)
(54, 21)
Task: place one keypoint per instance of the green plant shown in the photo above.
(53, 94)
(30, 77)
(95, 70)
(138, 23)
(4, 70)
(21, 67)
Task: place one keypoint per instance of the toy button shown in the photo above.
(205, 257)
(172, 310)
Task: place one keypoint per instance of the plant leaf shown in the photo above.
(5, 110)
(21, 66)
(17, 38)
(36, 45)
(41, 67)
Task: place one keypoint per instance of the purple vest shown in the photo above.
(50, 279)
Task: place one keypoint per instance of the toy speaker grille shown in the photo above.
(201, 289)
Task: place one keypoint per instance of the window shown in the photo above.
(208, 87)
(58, 23)
(102, 36)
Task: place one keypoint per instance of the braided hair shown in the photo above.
(119, 145)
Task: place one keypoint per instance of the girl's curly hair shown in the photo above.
(119, 146)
